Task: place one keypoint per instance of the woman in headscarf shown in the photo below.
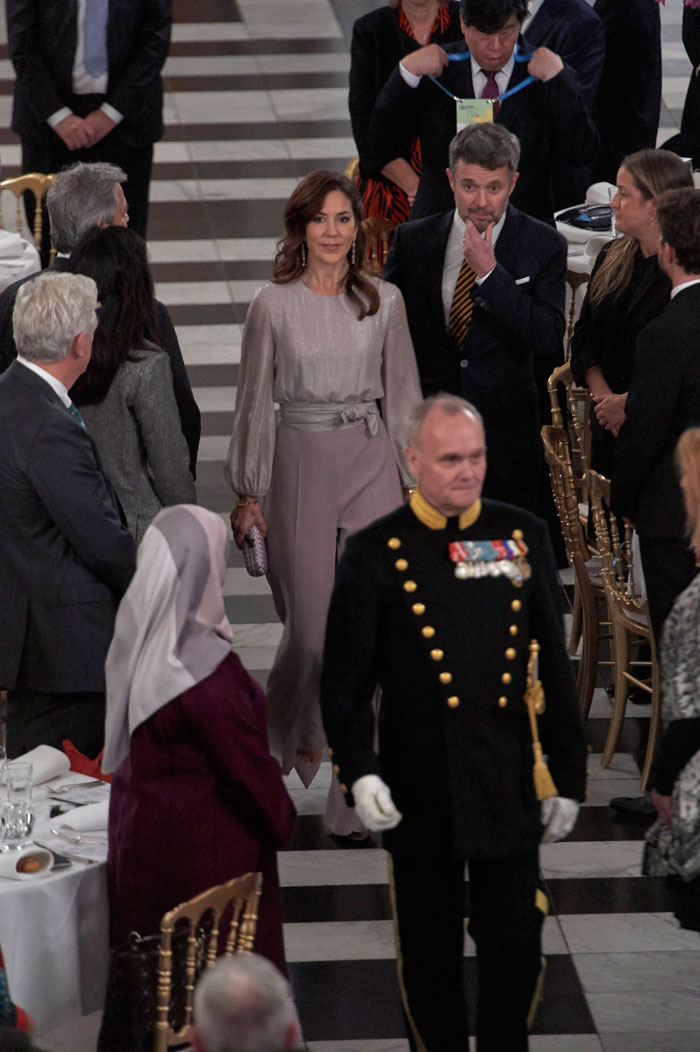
(196, 797)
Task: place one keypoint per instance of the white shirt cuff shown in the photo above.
(481, 280)
(58, 116)
(410, 78)
(114, 115)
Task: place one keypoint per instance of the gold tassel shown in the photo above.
(534, 700)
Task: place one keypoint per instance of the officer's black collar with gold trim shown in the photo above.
(434, 519)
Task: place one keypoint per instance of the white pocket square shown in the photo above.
(522, 281)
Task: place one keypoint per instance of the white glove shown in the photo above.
(558, 815)
(374, 805)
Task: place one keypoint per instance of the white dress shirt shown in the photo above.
(478, 78)
(83, 82)
(454, 257)
(684, 285)
(58, 387)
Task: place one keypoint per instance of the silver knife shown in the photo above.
(69, 854)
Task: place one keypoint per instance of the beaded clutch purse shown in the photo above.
(255, 553)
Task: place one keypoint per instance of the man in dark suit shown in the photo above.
(80, 197)
(68, 557)
(550, 116)
(89, 85)
(628, 103)
(663, 400)
(437, 603)
(517, 304)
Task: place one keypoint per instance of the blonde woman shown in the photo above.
(627, 290)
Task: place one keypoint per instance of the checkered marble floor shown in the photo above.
(255, 98)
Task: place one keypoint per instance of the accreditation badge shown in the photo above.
(474, 111)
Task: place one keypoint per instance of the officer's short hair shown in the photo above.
(490, 146)
(50, 311)
(450, 404)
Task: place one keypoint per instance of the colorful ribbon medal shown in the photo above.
(490, 559)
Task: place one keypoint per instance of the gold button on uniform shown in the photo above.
(506, 678)
(330, 751)
(516, 605)
(513, 630)
(401, 564)
(418, 609)
(445, 677)
(344, 788)
(409, 586)
(517, 535)
(503, 702)
(453, 701)
(336, 768)
(394, 543)
(511, 653)
(436, 655)
(428, 631)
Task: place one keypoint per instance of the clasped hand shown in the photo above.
(610, 410)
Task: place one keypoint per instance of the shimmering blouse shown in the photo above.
(301, 347)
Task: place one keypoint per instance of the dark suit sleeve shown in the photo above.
(190, 417)
(534, 311)
(147, 58)
(584, 51)
(561, 730)
(8, 351)
(650, 412)
(584, 345)
(395, 122)
(574, 133)
(63, 470)
(362, 96)
(350, 665)
(392, 265)
(42, 95)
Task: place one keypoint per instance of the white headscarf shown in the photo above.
(171, 629)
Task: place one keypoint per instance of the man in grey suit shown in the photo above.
(65, 553)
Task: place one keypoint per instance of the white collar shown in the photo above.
(57, 386)
(683, 285)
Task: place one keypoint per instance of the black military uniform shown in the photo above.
(450, 654)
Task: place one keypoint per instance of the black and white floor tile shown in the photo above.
(255, 98)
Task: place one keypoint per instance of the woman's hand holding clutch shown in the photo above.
(244, 516)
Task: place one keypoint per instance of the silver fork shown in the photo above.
(61, 789)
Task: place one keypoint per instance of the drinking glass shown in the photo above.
(16, 813)
(612, 190)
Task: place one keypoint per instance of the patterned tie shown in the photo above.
(75, 413)
(462, 304)
(490, 89)
(95, 56)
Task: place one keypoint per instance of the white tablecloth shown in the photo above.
(12, 270)
(54, 929)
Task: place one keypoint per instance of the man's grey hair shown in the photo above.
(450, 404)
(80, 197)
(50, 311)
(490, 146)
(243, 1004)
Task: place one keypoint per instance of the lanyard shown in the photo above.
(462, 55)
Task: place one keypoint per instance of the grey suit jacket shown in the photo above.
(65, 554)
(136, 429)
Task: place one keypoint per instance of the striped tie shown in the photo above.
(75, 413)
(462, 304)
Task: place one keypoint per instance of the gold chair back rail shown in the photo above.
(36, 183)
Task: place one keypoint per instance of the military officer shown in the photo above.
(437, 603)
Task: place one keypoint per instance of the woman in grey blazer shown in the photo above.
(126, 394)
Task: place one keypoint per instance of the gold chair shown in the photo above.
(352, 171)
(575, 279)
(589, 597)
(36, 183)
(378, 233)
(578, 404)
(629, 615)
(242, 894)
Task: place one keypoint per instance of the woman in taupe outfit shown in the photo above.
(126, 394)
(326, 341)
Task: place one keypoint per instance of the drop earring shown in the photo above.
(353, 253)
(303, 255)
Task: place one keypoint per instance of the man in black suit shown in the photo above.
(550, 116)
(628, 103)
(663, 400)
(517, 302)
(67, 555)
(437, 603)
(80, 197)
(89, 85)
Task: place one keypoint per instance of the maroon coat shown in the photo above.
(199, 800)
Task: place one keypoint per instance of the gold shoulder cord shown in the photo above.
(534, 700)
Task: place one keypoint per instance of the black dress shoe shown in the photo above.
(634, 806)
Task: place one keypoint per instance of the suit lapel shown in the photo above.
(436, 247)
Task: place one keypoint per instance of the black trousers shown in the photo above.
(669, 567)
(39, 718)
(427, 892)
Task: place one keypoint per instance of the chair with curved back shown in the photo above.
(242, 895)
(590, 623)
(575, 279)
(352, 171)
(35, 183)
(629, 615)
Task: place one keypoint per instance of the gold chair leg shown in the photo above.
(576, 621)
(621, 651)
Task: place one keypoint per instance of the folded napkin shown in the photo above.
(10, 244)
(47, 763)
(83, 764)
(599, 193)
(91, 816)
(10, 860)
